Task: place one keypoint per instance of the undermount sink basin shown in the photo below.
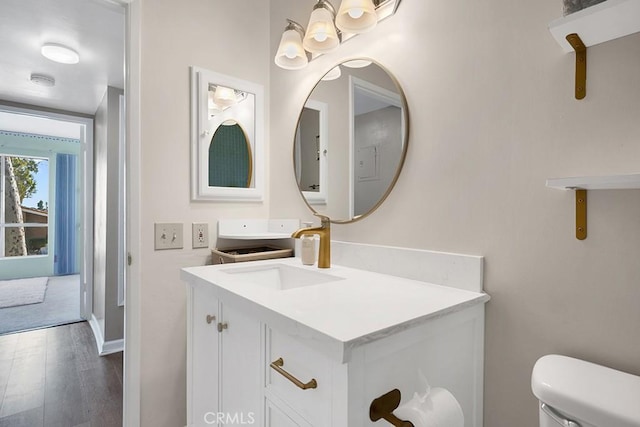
(281, 277)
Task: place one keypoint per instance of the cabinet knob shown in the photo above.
(210, 318)
(222, 326)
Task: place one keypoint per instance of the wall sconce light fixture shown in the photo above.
(356, 16)
(322, 36)
(221, 97)
(291, 54)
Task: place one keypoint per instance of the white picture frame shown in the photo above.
(249, 114)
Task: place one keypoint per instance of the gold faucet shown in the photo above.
(324, 231)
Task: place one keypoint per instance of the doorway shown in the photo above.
(46, 218)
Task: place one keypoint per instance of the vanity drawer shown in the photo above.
(278, 417)
(303, 364)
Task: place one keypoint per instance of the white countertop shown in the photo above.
(361, 307)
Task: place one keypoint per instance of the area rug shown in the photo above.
(22, 291)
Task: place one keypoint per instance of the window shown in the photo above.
(24, 206)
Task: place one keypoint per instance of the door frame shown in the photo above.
(132, 307)
(86, 195)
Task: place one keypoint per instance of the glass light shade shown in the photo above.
(291, 55)
(321, 36)
(356, 16)
(211, 103)
(357, 63)
(212, 106)
(224, 96)
(60, 53)
(333, 74)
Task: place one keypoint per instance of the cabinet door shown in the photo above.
(202, 355)
(241, 389)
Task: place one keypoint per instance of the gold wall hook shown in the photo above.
(581, 64)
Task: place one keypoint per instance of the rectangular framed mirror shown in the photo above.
(227, 138)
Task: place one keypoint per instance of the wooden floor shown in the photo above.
(54, 378)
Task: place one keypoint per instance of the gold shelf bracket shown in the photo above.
(581, 214)
(581, 64)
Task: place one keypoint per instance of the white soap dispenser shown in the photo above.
(308, 249)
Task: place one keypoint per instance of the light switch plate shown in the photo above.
(168, 235)
(200, 235)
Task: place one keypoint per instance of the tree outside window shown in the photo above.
(24, 222)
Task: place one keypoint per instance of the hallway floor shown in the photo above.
(54, 378)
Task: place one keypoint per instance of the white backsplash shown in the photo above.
(440, 268)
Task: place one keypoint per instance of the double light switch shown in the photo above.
(171, 235)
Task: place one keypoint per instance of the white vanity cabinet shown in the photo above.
(223, 361)
(318, 355)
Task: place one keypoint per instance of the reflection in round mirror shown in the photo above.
(348, 154)
(230, 157)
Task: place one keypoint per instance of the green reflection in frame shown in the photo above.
(230, 163)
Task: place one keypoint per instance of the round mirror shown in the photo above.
(351, 140)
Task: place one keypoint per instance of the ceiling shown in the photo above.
(93, 28)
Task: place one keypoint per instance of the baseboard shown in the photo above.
(104, 347)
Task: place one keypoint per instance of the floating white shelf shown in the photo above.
(610, 182)
(583, 183)
(597, 24)
(257, 229)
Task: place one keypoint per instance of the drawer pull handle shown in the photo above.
(277, 366)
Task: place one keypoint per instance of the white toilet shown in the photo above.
(575, 393)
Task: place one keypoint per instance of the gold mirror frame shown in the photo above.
(404, 138)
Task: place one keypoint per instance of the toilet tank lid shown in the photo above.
(593, 393)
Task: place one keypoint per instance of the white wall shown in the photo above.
(383, 130)
(492, 115)
(108, 313)
(223, 36)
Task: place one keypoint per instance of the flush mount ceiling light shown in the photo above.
(43, 80)
(59, 53)
(354, 17)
